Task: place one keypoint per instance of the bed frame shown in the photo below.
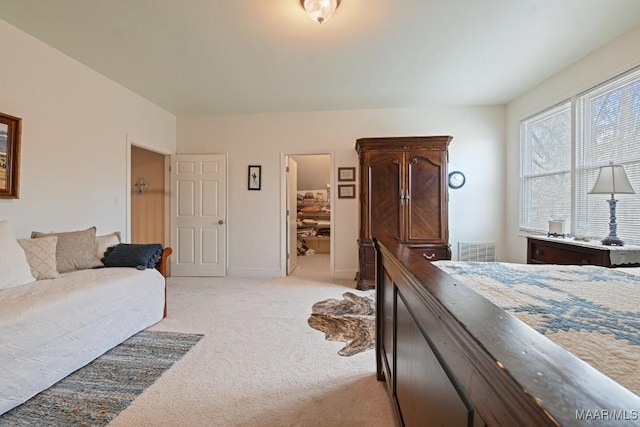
(450, 357)
(163, 268)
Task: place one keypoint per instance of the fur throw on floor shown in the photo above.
(351, 320)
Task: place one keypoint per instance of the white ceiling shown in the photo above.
(197, 57)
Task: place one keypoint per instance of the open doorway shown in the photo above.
(309, 211)
(147, 195)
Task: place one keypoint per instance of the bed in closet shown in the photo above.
(502, 344)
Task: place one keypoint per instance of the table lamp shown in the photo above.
(612, 179)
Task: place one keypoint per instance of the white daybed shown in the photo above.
(50, 328)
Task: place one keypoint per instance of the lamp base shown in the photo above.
(612, 241)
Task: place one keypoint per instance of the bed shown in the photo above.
(476, 344)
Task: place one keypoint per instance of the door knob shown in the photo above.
(221, 222)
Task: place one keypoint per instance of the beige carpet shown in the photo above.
(259, 363)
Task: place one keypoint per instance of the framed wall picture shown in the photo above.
(347, 191)
(10, 130)
(255, 177)
(346, 174)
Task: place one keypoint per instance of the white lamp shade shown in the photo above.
(612, 179)
(320, 10)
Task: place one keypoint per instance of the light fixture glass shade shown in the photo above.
(612, 179)
(320, 10)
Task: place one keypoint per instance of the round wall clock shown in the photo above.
(456, 179)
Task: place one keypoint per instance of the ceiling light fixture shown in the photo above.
(320, 10)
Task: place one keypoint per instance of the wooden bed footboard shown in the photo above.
(452, 358)
(163, 268)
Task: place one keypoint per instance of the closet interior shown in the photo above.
(313, 204)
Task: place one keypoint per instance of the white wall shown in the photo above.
(255, 217)
(74, 138)
(313, 172)
(609, 61)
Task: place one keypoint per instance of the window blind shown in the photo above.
(608, 130)
(546, 168)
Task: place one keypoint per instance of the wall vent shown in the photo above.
(476, 251)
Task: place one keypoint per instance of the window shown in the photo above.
(560, 162)
(546, 168)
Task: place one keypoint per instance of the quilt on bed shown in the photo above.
(593, 312)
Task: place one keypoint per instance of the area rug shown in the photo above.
(98, 392)
(351, 320)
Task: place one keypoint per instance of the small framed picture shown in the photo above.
(347, 191)
(10, 129)
(346, 174)
(255, 177)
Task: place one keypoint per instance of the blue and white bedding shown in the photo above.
(593, 312)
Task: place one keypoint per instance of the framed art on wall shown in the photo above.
(346, 174)
(10, 130)
(255, 177)
(347, 191)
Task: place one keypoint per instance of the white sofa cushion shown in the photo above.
(41, 255)
(13, 261)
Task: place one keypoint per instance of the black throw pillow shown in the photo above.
(140, 256)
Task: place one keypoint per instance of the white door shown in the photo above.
(198, 215)
(292, 214)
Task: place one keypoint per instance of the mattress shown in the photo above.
(593, 312)
(51, 328)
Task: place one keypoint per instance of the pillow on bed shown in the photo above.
(13, 261)
(140, 256)
(106, 241)
(76, 250)
(41, 256)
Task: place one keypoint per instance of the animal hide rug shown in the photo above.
(351, 320)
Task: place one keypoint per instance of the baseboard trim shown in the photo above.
(268, 274)
(348, 274)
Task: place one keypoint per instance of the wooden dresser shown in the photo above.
(403, 194)
(552, 250)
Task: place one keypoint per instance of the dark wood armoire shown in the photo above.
(403, 194)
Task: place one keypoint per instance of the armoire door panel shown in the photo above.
(425, 206)
(384, 210)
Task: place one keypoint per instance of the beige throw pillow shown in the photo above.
(106, 241)
(41, 256)
(76, 250)
(14, 268)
